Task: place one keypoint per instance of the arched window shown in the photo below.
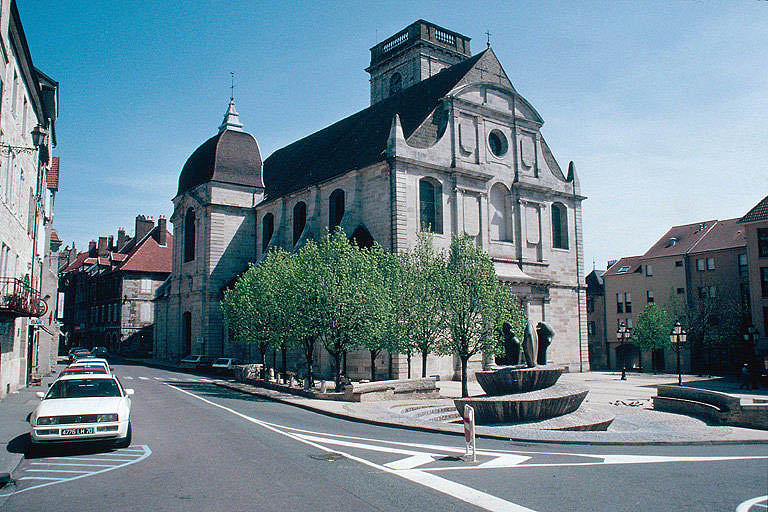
(187, 320)
(430, 205)
(189, 235)
(299, 220)
(559, 226)
(267, 230)
(362, 237)
(395, 83)
(336, 210)
(500, 214)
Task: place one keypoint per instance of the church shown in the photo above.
(447, 145)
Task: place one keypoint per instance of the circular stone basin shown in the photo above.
(535, 405)
(518, 379)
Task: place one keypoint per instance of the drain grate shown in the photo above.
(326, 456)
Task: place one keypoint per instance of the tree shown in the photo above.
(652, 329)
(335, 293)
(423, 322)
(475, 303)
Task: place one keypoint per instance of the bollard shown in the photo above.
(469, 432)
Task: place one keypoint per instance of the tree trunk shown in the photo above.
(345, 363)
(284, 355)
(274, 357)
(464, 390)
(309, 348)
(408, 355)
(389, 369)
(424, 354)
(337, 363)
(263, 351)
(373, 353)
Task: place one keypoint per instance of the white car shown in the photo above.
(90, 363)
(224, 364)
(83, 408)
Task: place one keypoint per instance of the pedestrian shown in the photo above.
(744, 377)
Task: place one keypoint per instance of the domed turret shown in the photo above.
(230, 156)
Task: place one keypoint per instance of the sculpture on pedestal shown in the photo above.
(545, 333)
(530, 345)
(511, 345)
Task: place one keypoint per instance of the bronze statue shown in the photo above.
(511, 345)
(545, 334)
(530, 345)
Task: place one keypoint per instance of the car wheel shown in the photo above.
(126, 441)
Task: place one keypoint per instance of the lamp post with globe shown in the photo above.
(678, 336)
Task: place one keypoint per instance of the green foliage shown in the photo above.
(475, 303)
(652, 329)
(346, 297)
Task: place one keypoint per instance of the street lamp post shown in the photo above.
(678, 336)
(623, 333)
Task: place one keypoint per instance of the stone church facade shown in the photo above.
(447, 145)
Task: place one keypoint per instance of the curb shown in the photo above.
(460, 432)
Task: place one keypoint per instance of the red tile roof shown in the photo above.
(149, 256)
(55, 236)
(53, 174)
(631, 263)
(79, 261)
(679, 239)
(725, 234)
(758, 213)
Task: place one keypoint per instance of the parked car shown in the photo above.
(100, 352)
(91, 361)
(80, 354)
(197, 362)
(225, 365)
(82, 369)
(83, 408)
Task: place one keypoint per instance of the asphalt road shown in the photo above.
(197, 446)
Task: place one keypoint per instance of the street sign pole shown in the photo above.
(469, 432)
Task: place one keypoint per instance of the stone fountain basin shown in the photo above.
(541, 404)
(518, 379)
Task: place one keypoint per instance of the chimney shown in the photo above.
(611, 263)
(92, 249)
(161, 230)
(111, 243)
(103, 247)
(143, 226)
(121, 238)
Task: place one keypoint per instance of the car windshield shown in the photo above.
(222, 361)
(91, 370)
(83, 388)
(191, 359)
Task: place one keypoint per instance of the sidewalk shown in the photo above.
(14, 428)
(629, 401)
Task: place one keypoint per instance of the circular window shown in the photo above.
(498, 143)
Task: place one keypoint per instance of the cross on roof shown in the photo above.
(232, 86)
(488, 40)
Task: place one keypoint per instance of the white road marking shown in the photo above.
(142, 452)
(744, 507)
(411, 462)
(459, 491)
(143, 378)
(72, 464)
(128, 377)
(504, 461)
(86, 458)
(157, 378)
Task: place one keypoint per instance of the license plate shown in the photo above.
(76, 431)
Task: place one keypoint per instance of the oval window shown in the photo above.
(498, 143)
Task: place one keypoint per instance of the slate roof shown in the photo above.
(632, 262)
(725, 234)
(229, 156)
(758, 212)
(52, 177)
(685, 237)
(360, 139)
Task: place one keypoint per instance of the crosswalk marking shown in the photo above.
(143, 378)
(129, 378)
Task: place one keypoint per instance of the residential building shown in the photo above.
(755, 224)
(109, 290)
(596, 328)
(28, 111)
(448, 145)
(693, 270)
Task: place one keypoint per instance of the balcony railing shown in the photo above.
(17, 299)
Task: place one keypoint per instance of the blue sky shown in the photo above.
(663, 106)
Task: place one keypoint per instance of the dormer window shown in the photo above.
(672, 242)
(623, 269)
